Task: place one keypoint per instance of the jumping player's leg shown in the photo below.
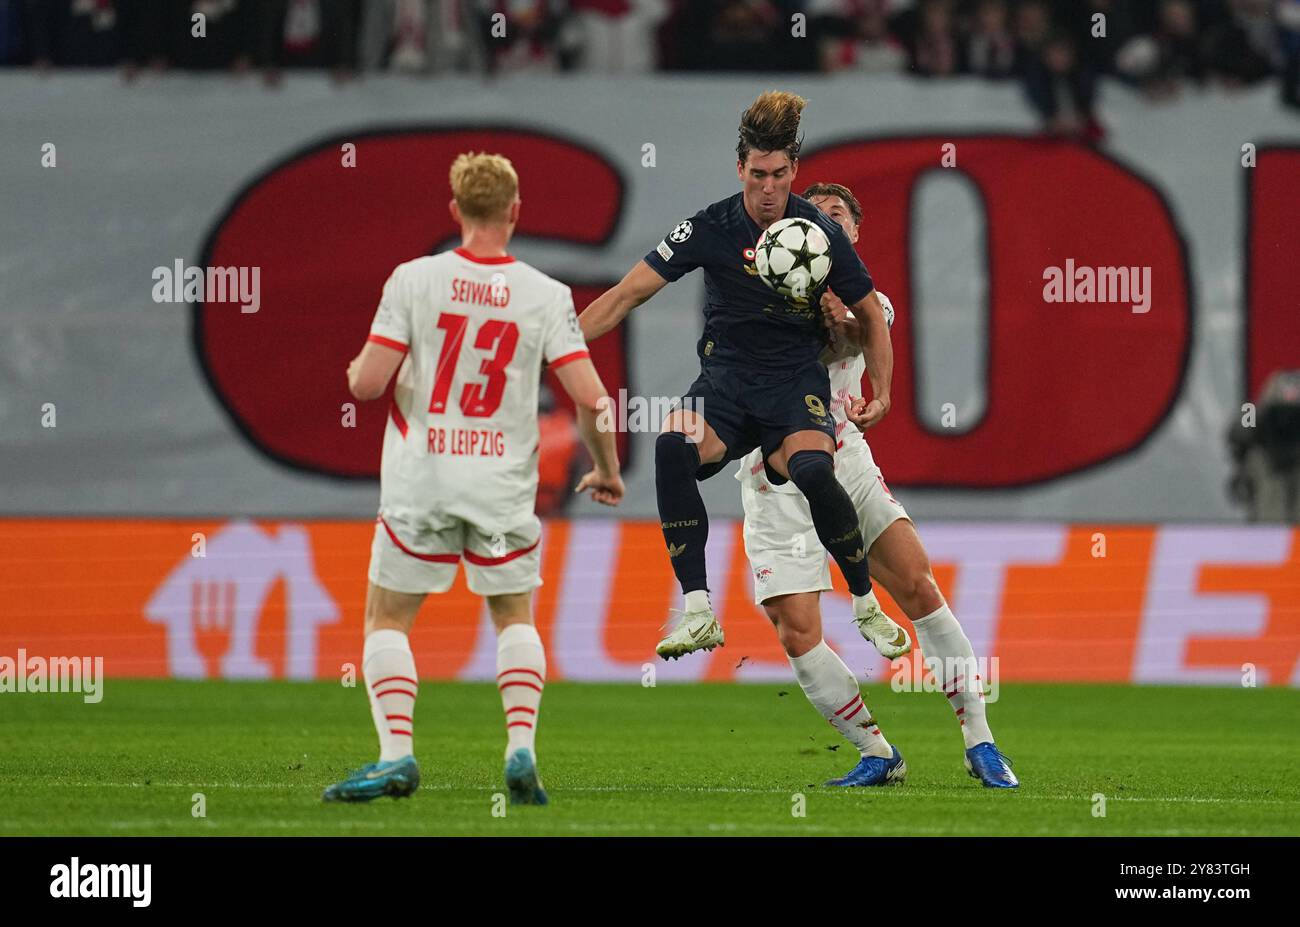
(688, 449)
(798, 442)
(685, 444)
(807, 459)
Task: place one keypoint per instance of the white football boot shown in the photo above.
(695, 631)
(883, 632)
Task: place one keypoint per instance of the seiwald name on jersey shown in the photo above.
(462, 435)
(745, 322)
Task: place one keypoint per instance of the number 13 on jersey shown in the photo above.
(477, 400)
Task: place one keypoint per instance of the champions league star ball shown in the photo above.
(793, 257)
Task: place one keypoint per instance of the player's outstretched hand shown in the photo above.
(607, 490)
(864, 414)
(834, 312)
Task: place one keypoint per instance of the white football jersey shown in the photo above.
(462, 436)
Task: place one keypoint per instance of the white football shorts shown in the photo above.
(404, 558)
(780, 540)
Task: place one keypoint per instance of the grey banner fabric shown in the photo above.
(145, 171)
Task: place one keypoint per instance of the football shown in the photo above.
(793, 257)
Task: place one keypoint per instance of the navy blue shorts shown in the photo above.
(750, 409)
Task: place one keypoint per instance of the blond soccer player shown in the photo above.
(467, 332)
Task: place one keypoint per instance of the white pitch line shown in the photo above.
(901, 793)
(157, 824)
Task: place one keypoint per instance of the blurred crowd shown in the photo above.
(1056, 48)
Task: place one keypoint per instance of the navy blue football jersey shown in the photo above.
(746, 322)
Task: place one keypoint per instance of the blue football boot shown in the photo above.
(987, 764)
(522, 779)
(875, 770)
(398, 778)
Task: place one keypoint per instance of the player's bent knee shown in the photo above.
(798, 630)
(810, 469)
(920, 595)
(682, 421)
(797, 641)
(929, 598)
(675, 456)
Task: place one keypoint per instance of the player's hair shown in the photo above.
(843, 192)
(771, 124)
(483, 185)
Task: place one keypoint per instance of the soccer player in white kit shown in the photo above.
(791, 570)
(467, 332)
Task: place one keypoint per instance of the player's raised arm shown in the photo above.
(878, 353)
(610, 308)
(581, 381)
(852, 282)
(682, 250)
(844, 324)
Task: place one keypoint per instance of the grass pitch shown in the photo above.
(618, 759)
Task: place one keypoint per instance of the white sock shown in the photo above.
(833, 690)
(943, 642)
(521, 676)
(862, 602)
(389, 669)
(697, 600)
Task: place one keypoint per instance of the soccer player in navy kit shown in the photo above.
(761, 383)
